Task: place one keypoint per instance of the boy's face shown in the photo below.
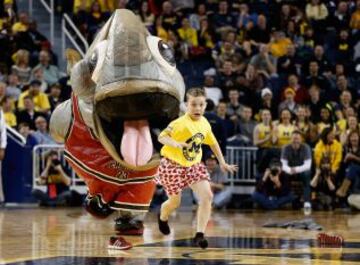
(195, 106)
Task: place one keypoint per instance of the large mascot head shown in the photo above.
(127, 75)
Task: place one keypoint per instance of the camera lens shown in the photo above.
(274, 171)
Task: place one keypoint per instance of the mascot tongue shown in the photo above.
(136, 144)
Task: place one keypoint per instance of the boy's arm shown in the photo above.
(223, 165)
(217, 151)
(167, 140)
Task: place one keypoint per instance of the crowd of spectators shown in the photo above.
(275, 71)
(30, 81)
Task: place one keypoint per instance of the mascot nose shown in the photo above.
(130, 46)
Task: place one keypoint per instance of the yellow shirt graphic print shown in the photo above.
(194, 133)
(195, 147)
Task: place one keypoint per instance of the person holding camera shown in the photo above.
(328, 156)
(296, 163)
(273, 190)
(57, 182)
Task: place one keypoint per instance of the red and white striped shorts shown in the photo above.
(174, 177)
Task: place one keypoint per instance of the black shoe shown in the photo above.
(97, 208)
(163, 226)
(200, 240)
(128, 226)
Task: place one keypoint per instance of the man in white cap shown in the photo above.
(267, 102)
(212, 92)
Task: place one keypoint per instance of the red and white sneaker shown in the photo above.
(119, 243)
(326, 239)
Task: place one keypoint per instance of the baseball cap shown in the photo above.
(265, 92)
(210, 72)
(289, 90)
(209, 155)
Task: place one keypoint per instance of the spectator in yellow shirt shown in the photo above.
(328, 147)
(40, 99)
(160, 30)
(107, 5)
(10, 118)
(23, 23)
(82, 5)
(187, 33)
(279, 44)
(355, 17)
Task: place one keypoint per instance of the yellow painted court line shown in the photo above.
(31, 258)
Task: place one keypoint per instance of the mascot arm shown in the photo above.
(60, 121)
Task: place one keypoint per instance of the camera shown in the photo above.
(275, 166)
(55, 162)
(274, 171)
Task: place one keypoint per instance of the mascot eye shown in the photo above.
(162, 53)
(167, 52)
(93, 61)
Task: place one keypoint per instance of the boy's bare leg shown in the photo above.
(167, 208)
(170, 205)
(203, 192)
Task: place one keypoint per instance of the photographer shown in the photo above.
(296, 163)
(57, 181)
(273, 190)
(327, 155)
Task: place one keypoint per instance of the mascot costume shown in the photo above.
(125, 90)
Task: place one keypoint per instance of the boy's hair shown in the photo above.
(195, 92)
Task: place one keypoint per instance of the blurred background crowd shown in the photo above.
(279, 75)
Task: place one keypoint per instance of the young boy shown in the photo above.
(181, 165)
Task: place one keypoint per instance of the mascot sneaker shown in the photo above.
(129, 227)
(97, 208)
(119, 243)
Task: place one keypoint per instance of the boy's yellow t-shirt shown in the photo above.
(186, 130)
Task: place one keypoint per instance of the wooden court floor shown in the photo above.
(70, 236)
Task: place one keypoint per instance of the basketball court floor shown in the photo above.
(70, 236)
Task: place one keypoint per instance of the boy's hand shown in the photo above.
(229, 168)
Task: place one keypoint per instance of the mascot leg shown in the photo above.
(128, 223)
